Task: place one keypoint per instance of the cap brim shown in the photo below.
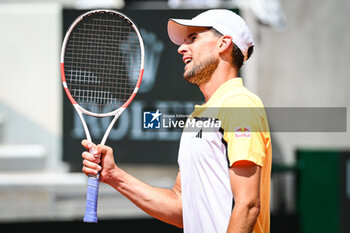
(179, 29)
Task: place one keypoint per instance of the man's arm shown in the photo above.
(163, 204)
(245, 184)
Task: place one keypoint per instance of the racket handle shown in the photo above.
(91, 199)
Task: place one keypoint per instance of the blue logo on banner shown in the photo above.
(151, 120)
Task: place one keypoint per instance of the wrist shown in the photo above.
(115, 178)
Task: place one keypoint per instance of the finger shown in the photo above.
(96, 151)
(89, 171)
(92, 165)
(88, 145)
(91, 147)
(88, 156)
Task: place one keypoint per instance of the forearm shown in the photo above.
(163, 204)
(243, 219)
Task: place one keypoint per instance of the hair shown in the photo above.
(237, 55)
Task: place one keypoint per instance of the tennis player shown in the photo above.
(223, 184)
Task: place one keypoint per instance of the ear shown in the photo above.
(225, 43)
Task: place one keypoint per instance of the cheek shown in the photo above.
(207, 50)
(204, 56)
(203, 50)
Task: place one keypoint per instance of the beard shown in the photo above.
(201, 73)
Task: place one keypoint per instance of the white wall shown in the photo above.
(30, 96)
(305, 65)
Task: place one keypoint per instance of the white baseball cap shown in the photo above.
(224, 21)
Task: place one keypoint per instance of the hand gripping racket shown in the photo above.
(102, 61)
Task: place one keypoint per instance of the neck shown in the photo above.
(220, 76)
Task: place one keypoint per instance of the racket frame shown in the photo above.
(93, 180)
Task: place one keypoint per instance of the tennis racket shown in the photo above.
(102, 61)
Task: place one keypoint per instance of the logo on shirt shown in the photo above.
(242, 132)
(152, 120)
(199, 134)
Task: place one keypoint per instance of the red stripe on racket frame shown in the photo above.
(134, 93)
(63, 76)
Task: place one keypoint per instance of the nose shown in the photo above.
(182, 49)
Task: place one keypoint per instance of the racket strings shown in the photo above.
(102, 62)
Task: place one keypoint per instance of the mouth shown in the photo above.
(187, 60)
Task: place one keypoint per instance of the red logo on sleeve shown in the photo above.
(242, 132)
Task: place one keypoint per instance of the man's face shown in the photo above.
(199, 53)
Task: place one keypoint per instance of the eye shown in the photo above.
(191, 38)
